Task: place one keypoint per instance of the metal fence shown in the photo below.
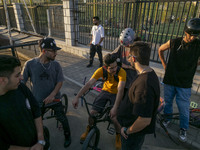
(155, 21)
(40, 20)
(11, 16)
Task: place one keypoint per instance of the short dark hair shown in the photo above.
(142, 52)
(96, 17)
(109, 59)
(8, 64)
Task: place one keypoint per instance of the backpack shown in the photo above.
(105, 74)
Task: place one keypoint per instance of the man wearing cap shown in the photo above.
(179, 72)
(46, 77)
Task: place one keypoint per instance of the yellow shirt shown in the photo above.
(110, 85)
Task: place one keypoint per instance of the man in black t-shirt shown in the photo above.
(137, 110)
(20, 117)
(179, 72)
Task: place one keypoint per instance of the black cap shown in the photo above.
(49, 43)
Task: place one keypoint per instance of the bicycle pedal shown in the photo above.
(111, 130)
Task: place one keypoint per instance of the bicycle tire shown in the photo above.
(64, 100)
(92, 139)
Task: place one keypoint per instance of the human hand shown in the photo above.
(37, 146)
(75, 102)
(113, 112)
(123, 134)
(49, 99)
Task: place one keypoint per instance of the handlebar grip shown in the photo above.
(57, 100)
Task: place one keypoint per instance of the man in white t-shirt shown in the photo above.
(96, 42)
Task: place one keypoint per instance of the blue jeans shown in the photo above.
(134, 142)
(182, 101)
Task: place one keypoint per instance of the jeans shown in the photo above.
(93, 50)
(134, 142)
(61, 116)
(182, 101)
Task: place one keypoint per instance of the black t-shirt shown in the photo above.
(18, 109)
(182, 63)
(146, 94)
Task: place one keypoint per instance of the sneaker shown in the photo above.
(166, 123)
(84, 135)
(89, 65)
(67, 140)
(183, 135)
(118, 144)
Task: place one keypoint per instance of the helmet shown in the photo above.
(127, 37)
(193, 27)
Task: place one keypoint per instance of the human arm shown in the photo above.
(100, 41)
(102, 36)
(120, 93)
(51, 97)
(25, 73)
(91, 40)
(84, 89)
(138, 125)
(161, 50)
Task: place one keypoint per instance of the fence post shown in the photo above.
(70, 21)
(18, 16)
(49, 22)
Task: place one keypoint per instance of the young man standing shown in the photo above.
(112, 90)
(20, 118)
(96, 42)
(179, 72)
(138, 109)
(46, 76)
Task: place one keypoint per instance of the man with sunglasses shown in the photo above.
(112, 91)
(46, 77)
(179, 72)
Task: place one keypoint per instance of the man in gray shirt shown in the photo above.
(46, 77)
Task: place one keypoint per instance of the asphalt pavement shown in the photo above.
(74, 69)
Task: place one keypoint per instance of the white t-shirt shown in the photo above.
(97, 33)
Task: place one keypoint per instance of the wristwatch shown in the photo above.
(42, 142)
(125, 130)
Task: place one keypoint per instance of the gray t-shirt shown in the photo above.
(43, 77)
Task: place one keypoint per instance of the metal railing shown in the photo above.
(155, 21)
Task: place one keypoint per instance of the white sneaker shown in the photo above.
(166, 123)
(183, 135)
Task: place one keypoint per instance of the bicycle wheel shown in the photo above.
(64, 100)
(92, 140)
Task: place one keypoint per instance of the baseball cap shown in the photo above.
(49, 43)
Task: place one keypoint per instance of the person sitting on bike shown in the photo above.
(138, 109)
(46, 76)
(112, 91)
(126, 38)
(20, 116)
(179, 72)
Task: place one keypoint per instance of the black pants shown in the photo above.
(134, 142)
(93, 50)
(61, 116)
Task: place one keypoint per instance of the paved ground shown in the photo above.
(74, 70)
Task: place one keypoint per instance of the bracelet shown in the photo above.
(125, 130)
